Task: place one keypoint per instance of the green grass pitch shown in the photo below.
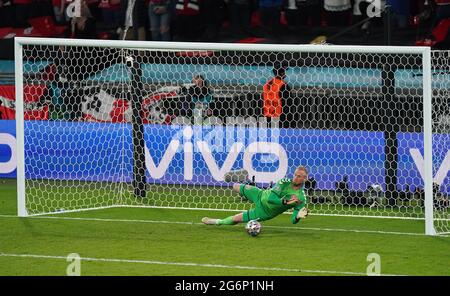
(145, 241)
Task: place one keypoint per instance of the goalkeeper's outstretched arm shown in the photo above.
(300, 212)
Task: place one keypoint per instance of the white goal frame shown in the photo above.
(424, 52)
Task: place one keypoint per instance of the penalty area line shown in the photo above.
(198, 223)
(188, 264)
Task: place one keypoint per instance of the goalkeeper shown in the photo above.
(269, 203)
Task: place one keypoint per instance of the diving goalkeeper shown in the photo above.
(269, 203)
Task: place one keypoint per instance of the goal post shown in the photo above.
(440, 143)
(427, 138)
(20, 151)
(178, 116)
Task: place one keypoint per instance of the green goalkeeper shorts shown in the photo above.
(253, 194)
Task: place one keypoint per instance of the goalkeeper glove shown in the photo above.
(303, 213)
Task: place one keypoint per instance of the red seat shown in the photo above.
(441, 31)
(255, 20)
(46, 26)
(5, 31)
(438, 34)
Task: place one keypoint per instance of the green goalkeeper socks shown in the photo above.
(226, 221)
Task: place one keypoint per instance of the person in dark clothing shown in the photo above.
(83, 27)
(302, 13)
(133, 18)
(159, 13)
(198, 99)
(240, 14)
(337, 12)
(188, 20)
(212, 17)
(270, 12)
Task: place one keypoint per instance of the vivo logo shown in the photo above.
(275, 149)
(10, 165)
(441, 173)
(184, 145)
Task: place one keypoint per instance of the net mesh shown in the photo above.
(101, 122)
(441, 139)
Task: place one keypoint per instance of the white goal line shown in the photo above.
(199, 223)
(224, 210)
(190, 264)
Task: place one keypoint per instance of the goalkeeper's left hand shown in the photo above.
(303, 213)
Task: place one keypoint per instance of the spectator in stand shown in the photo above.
(302, 13)
(159, 15)
(292, 14)
(337, 12)
(133, 18)
(188, 19)
(277, 100)
(83, 27)
(442, 11)
(199, 98)
(359, 10)
(7, 16)
(23, 11)
(270, 15)
(59, 11)
(41, 8)
(110, 10)
(400, 12)
(240, 13)
(212, 17)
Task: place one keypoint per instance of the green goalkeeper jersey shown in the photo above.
(272, 199)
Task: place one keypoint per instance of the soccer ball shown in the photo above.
(253, 227)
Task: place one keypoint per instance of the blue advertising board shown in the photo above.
(201, 155)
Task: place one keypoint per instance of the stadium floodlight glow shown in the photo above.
(120, 126)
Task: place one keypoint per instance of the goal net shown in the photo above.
(441, 139)
(113, 124)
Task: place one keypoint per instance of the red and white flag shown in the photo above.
(34, 107)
